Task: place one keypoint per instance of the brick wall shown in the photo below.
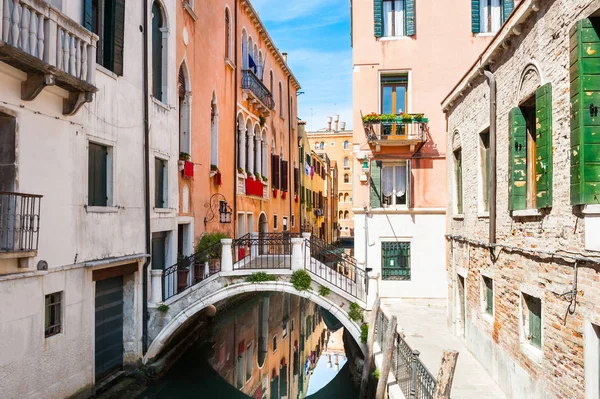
(543, 46)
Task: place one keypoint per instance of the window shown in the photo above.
(285, 223)
(53, 317)
(99, 170)
(214, 132)
(159, 53)
(240, 365)
(184, 110)
(160, 187)
(488, 295)
(393, 18)
(346, 178)
(322, 145)
(393, 185)
(489, 15)
(271, 85)
(394, 97)
(458, 180)
(293, 220)
(346, 215)
(484, 171)
(395, 260)
(532, 320)
(346, 162)
(227, 35)
(274, 343)
(281, 103)
(284, 330)
(249, 360)
(106, 18)
(275, 222)
(346, 197)
(531, 139)
(346, 145)
(341, 215)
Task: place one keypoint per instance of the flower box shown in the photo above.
(283, 194)
(254, 187)
(274, 193)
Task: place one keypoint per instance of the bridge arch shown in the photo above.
(172, 327)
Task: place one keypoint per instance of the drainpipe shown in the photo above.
(147, 187)
(493, 175)
(290, 150)
(235, 94)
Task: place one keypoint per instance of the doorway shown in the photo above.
(263, 228)
(109, 327)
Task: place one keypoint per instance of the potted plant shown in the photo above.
(407, 118)
(183, 271)
(208, 260)
(283, 194)
(419, 117)
(240, 171)
(372, 119)
(214, 169)
(183, 158)
(257, 176)
(264, 179)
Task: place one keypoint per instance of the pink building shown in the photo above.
(407, 54)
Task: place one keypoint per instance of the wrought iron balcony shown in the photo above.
(395, 130)
(19, 222)
(51, 48)
(257, 92)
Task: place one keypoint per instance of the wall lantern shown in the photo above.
(225, 211)
(365, 165)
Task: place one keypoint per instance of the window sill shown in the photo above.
(102, 209)
(526, 213)
(591, 210)
(160, 103)
(483, 215)
(190, 10)
(486, 34)
(532, 352)
(487, 317)
(393, 38)
(458, 216)
(163, 210)
(230, 64)
(106, 72)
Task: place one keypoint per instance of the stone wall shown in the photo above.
(540, 54)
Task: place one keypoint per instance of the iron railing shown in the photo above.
(191, 270)
(326, 262)
(411, 375)
(19, 222)
(334, 248)
(399, 128)
(265, 251)
(251, 82)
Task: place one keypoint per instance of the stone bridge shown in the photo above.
(174, 306)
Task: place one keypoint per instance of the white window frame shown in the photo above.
(408, 192)
(591, 359)
(481, 176)
(285, 224)
(483, 297)
(403, 16)
(530, 350)
(110, 176)
(492, 11)
(165, 184)
(275, 222)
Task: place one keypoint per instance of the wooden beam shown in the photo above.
(388, 352)
(369, 355)
(446, 375)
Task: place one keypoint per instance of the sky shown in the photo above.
(316, 36)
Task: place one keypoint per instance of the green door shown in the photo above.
(109, 327)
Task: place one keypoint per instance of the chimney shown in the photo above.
(342, 126)
(336, 120)
(284, 57)
(329, 123)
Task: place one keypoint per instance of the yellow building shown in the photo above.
(336, 142)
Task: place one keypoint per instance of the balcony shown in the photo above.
(257, 93)
(50, 48)
(19, 224)
(395, 130)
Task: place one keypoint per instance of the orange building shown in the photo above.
(237, 113)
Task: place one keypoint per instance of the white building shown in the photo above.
(72, 176)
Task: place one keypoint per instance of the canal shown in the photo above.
(267, 346)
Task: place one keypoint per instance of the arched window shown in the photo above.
(346, 215)
(244, 50)
(159, 53)
(346, 178)
(346, 145)
(214, 132)
(227, 35)
(322, 145)
(183, 93)
(341, 215)
(271, 87)
(341, 197)
(316, 146)
(345, 197)
(281, 104)
(261, 66)
(346, 162)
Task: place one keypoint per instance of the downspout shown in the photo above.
(237, 130)
(147, 187)
(493, 175)
(290, 147)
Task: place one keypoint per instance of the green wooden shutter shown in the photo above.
(475, 16)
(507, 8)
(459, 181)
(535, 321)
(97, 175)
(378, 14)
(518, 160)
(409, 10)
(119, 37)
(159, 175)
(489, 297)
(585, 122)
(375, 185)
(87, 15)
(543, 134)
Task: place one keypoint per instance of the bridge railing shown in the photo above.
(263, 251)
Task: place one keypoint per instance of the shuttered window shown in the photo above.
(296, 180)
(284, 175)
(395, 260)
(543, 142)
(488, 295)
(160, 169)
(98, 175)
(458, 180)
(275, 171)
(518, 160)
(534, 320)
(585, 102)
(376, 201)
(106, 18)
(394, 18)
(157, 52)
(487, 16)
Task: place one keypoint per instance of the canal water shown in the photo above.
(269, 346)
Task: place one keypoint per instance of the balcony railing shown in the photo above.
(19, 222)
(395, 129)
(50, 47)
(253, 84)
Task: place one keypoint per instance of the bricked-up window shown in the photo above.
(458, 182)
(53, 316)
(532, 317)
(395, 260)
(484, 170)
(488, 295)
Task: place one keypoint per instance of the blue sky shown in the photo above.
(316, 36)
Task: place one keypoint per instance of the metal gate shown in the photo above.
(109, 326)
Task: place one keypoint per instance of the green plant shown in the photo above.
(418, 117)
(364, 333)
(184, 156)
(214, 167)
(183, 261)
(355, 312)
(260, 277)
(240, 170)
(163, 308)
(376, 374)
(324, 291)
(407, 117)
(372, 118)
(264, 178)
(257, 175)
(209, 246)
(301, 280)
(248, 172)
(388, 118)
(261, 120)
